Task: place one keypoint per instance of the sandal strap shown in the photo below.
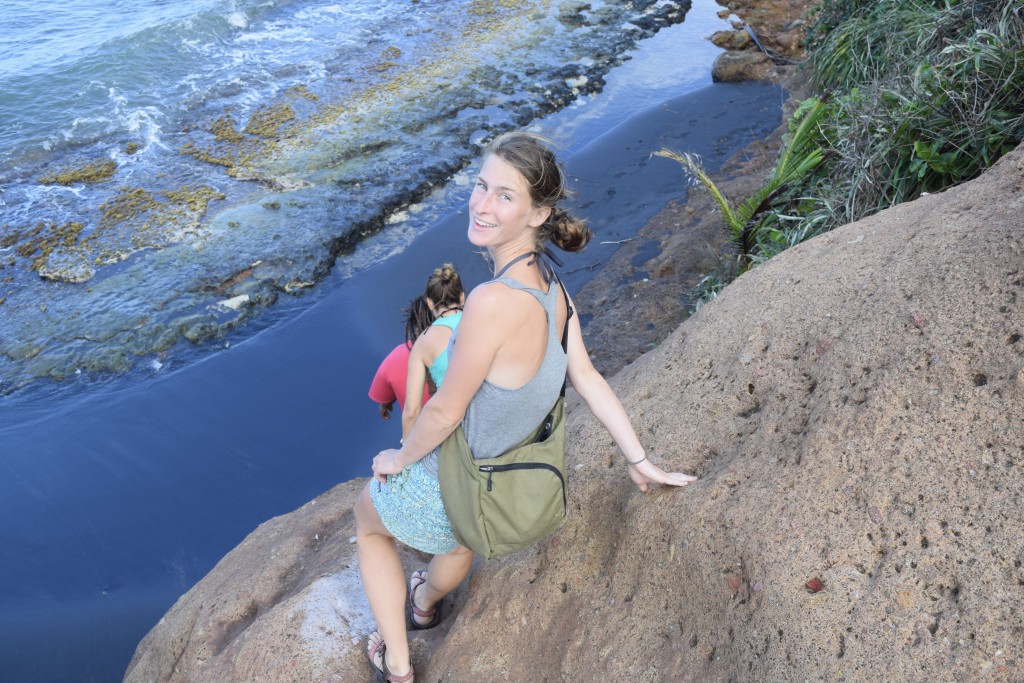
(407, 678)
(422, 614)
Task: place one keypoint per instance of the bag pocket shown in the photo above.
(521, 503)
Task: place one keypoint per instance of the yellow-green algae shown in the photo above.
(41, 240)
(206, 156)
(234, 146)
(133, 219)
(266, 122)
(9, 239)
(140, 218)
(277, 126)
(226, 128)
(488, 8)
(96, 172)
(301, 90)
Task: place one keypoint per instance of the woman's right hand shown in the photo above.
(385, 463)
(646, 472)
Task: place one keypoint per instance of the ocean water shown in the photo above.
(169, 170)
(146, 425)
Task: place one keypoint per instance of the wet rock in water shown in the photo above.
(574, 16)
(113, 360)
(200, 332)
(748, 65)
(731, 40)
(235, 303)
(66, 266)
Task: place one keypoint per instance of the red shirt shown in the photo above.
(389, 383)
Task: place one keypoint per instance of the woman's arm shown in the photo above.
(488, 320)
(607, 408)
(382, 391)
(415, 379)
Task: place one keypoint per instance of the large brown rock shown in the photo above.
(855, 408)
(733, 66)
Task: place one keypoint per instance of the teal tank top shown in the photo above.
(439, 367)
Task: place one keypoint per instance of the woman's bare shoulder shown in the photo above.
(495, 293)
(431, 343)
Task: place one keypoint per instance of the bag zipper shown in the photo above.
(491, 469)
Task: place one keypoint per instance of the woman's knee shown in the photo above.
(367, 519)
(461, 552)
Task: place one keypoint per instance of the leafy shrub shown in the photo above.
(916, 96)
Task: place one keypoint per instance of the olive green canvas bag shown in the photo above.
(497, 506)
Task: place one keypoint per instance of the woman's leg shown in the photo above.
(383, 580)
(444, 574)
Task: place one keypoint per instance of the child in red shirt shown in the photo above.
(389, 382)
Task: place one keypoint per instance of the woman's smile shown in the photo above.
(483, 225)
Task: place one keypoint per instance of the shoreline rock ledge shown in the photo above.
(855, 408)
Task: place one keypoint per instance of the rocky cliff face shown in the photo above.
(855, 409)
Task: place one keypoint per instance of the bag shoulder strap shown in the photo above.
(565, 329)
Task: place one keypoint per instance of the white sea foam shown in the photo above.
(238, 20)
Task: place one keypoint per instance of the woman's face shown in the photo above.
(501, 211)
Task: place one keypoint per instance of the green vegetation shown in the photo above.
(929, 94)
(747, 220)
(919, 95)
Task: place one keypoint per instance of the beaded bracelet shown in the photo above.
(637, 462)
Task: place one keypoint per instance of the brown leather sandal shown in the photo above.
(380, 671)
(412, 611)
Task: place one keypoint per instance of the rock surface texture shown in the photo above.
(766, 39)
(855, 409)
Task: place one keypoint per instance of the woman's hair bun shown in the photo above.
(565, 230)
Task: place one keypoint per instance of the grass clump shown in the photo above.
(915, 96)
(928, 95)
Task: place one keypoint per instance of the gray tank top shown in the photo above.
(497, 418)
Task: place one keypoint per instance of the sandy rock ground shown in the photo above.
(854, 410)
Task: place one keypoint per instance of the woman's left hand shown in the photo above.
(386, 463)
(647, 472)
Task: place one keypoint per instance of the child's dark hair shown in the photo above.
(417, 319)
(444, 287)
